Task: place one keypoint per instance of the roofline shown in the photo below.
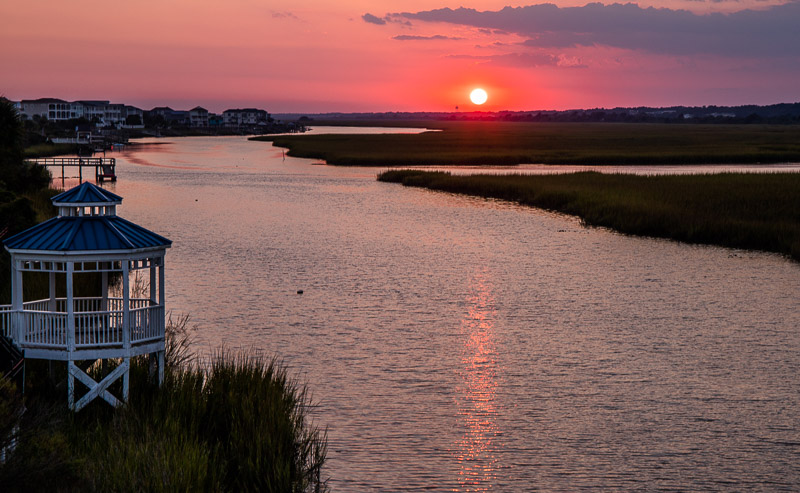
(86, 204)
(93, 253)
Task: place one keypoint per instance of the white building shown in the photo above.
(51, 108)
(198, 117)
(106, 113)
(247, 116)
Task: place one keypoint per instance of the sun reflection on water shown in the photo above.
(476, 391)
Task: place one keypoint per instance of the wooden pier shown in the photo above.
(104, 167)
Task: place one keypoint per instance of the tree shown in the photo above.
(16, 179)
(11, 150)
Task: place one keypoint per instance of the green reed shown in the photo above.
(47, 150)
(239, 423)
(739, 210)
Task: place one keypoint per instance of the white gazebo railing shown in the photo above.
(40, 327)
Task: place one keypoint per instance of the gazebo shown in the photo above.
(88, 240)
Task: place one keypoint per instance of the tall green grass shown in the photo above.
(509, 143)
(47, 150)
(239, 423)
(750, 211)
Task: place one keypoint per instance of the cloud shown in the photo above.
(436, 37)
(751, 33)
(373, 19)
(284, 15)
(492, 32)
(524, 60)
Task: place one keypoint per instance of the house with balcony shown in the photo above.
(244, 117)
(51, 108)
(198, 117)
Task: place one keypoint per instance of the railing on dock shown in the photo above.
(104, 167)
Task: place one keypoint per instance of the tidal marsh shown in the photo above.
(750, 211)
(510, 143)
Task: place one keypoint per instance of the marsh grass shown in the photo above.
(510, 143)
(750, 211)
(47, 150)
(239, 423)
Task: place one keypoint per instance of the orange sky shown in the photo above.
(315, 56)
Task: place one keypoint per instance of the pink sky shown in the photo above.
(414, 55)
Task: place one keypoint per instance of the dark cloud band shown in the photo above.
(771, 32)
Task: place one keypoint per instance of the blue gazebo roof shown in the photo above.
(88, 233)
(75, 231)
(86, 194)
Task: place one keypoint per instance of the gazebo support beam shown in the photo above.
(99, 389)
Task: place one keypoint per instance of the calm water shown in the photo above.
(456, 344)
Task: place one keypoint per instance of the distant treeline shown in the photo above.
(784, 113)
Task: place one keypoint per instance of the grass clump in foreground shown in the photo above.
(240, 424)
(510, 143)
(739, 210)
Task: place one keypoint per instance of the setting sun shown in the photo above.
(478, 96)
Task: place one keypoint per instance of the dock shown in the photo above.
(104, 167)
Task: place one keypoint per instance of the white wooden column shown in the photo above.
(161, 283)
(16, 300)
(70, 310)
(70, 338)
(152, 281)
(104, 291)
(52, 305)
(126, 314)
(161, 319)
(126, 327)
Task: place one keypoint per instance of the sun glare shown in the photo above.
(478, 96)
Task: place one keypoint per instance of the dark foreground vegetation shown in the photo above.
(240, 424)
(24, 190)
(750, 211)
(510, 143)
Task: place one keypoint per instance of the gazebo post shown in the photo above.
(126, 327)
(16, 302)
(70, 337)
(104, 291)
(52, 305)
(152, 282)
(161, 319)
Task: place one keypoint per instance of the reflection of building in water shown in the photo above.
(476, 391)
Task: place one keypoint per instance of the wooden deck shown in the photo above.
(104, 167)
